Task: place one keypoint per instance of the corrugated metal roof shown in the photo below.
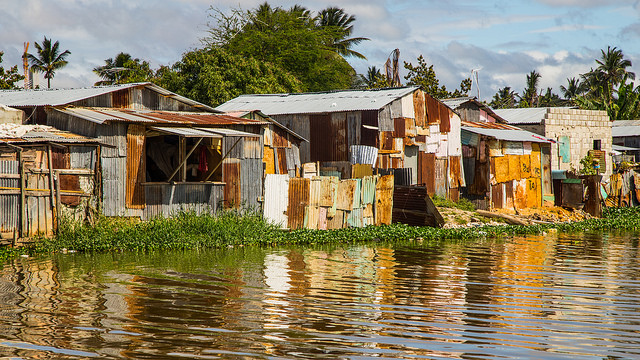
(186, 131)
(454, 103)
(503, 132)
(523, 115)
(23, 134)
(58, 97)
(623, 128)
(623, 148)
(243, 113)
(323, 102)
(100, 115)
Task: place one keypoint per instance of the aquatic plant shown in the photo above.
(188, 230)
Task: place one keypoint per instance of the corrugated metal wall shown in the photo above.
(166, 200)
(276, 198)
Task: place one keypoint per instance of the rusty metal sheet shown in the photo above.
(346, 193)
(327, 196)
(454, 194)
(354, 218)
(445, 118)
(399, 127)
(367, 211)
(368, 134)
(315, 191)
(384, 161)
(426, 171)
(536, 162)
(533, 192)
(336, 221)
(520, 200)
(514, 167)
(387, 140)
(396, 162)
(135, 167)
(328, 140)
(279, 137)
(501, 169)
(384, 200)
(358, 171)
(433, 110)
(269, 160)
(419, 108)
(311, 217)
(410, 129)
(509, 194)
(61, 159)
(497, 197)
(298, 201)
(525, 166)
(442, 176)
(231, 178)
(282, 161)
(333, 188)
(547, 188)
(454, 172)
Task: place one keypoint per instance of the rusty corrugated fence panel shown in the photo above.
(276, 199)
(509, 192)
(282, 160)
(384, 200)
(298, 201)
(480, 185)
(231, 178)
(502, 169)
(9, 203)
(454, 194)
(419, 108)
(121, 98)
(536, 163)
(399, 127)
(61, 159)
(114, 170)
(454, 171)
(427, 164)
(514, 167)
(525, 166)
(135, 167)
(520, 200)
(328, 140)
(346, 193)
(358, 171)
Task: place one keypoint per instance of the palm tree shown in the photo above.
(572, 90)
(48, 59)
(613, 67)
(374, 79)
(505, 98)
(530, 93)
(339, 25)
(108, 72)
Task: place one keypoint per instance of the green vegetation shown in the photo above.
(424, 75)
(9, 77)
(230, 228)
(463, 204)
(124, 69)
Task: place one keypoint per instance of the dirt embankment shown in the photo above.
(460, 218)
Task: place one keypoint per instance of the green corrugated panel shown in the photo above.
(564, 149)
(357, 194)
(368, 189)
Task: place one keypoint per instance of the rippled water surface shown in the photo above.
(538, 297)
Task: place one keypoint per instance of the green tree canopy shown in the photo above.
(294, 39)
(505, 98)
(8, 78)
(213, 76)
(124, 69)
(48, 59)
(425, 76)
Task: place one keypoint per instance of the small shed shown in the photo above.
(414, 133)
(504, 166)
(626, 138)
(45, 173)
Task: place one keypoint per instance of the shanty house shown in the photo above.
(577, 133)
(44, 172)
(504, 166)
(410, 130)
(161, 152)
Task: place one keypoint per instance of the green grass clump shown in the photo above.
(462, 204)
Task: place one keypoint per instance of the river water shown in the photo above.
(556, 296)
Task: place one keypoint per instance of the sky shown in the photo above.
(503, 40)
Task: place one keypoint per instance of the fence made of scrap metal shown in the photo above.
(325, 202)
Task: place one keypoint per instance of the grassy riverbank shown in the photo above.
(190, 231)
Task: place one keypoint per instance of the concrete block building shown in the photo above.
(576, 133)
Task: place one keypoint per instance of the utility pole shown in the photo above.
(25, 65)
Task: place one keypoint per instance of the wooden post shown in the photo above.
(54, 209)
(22, 218)
(57, 182)
(183, 158)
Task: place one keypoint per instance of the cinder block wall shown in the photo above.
(582, 127)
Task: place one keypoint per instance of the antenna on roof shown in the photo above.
(474, 78)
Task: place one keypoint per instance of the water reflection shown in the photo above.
(553, 296)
